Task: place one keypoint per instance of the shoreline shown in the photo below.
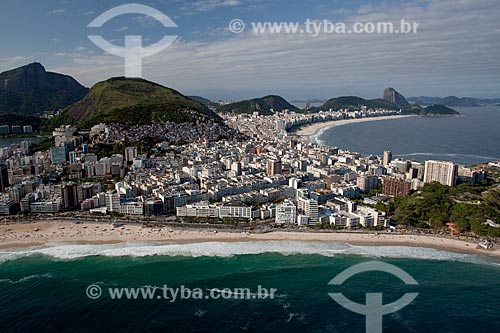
(309, 132)
(19, 236)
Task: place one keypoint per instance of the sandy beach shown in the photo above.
(39, 233)
(310, 131)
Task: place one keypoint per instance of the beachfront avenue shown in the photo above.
(172, 294)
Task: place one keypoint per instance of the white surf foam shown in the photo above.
(26, 278)
(316, 138)
(448, 155)
(228, 249)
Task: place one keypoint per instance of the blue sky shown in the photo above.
(455, 52)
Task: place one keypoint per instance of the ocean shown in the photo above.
(72, 288)
(45, 288)
(470, 139)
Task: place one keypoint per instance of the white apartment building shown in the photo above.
(52, 206)
(204, 209)
(445, 173)
(199, 209)
(308, 207)
(286, 213)
(113, 202)
(132, 208)
(237, 212)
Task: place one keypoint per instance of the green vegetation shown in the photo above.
(134, 101)
(208, 103)
(413, 109)
(43, 145)
(17, 119)
(261, 105)
(105, 150)
(438, 110)
(354, 103)
(452, 101)
(141, 115)
(41, 126)
(392, 101)
(57, 121)
(468, 207)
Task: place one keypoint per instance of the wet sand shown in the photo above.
(39, 233)
(310, 131)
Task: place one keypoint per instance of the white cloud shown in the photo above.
(454, 52)
(145, 21)
(15, 61)
(340, 11)
(21, 58)
(87, 12)
(208, 5)
(57, 11)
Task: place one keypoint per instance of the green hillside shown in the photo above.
(261, 105)
(438, 110)
(205, 101)
(134, 101)
(355, 103)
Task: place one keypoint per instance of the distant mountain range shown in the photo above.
(354, 102)
(208, 103)
(308, 100)
(262, 105)
(30, 90)
(454, 101)
(134, 101)
(391, 100)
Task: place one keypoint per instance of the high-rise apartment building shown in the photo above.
(387, 158)
(445, 173)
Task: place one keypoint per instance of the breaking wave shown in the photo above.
(491, 158)
(26, 278)
(227, 249)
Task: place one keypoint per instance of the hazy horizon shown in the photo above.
(455, 51)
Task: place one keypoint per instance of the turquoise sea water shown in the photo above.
(44, 289)
(470, 139)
